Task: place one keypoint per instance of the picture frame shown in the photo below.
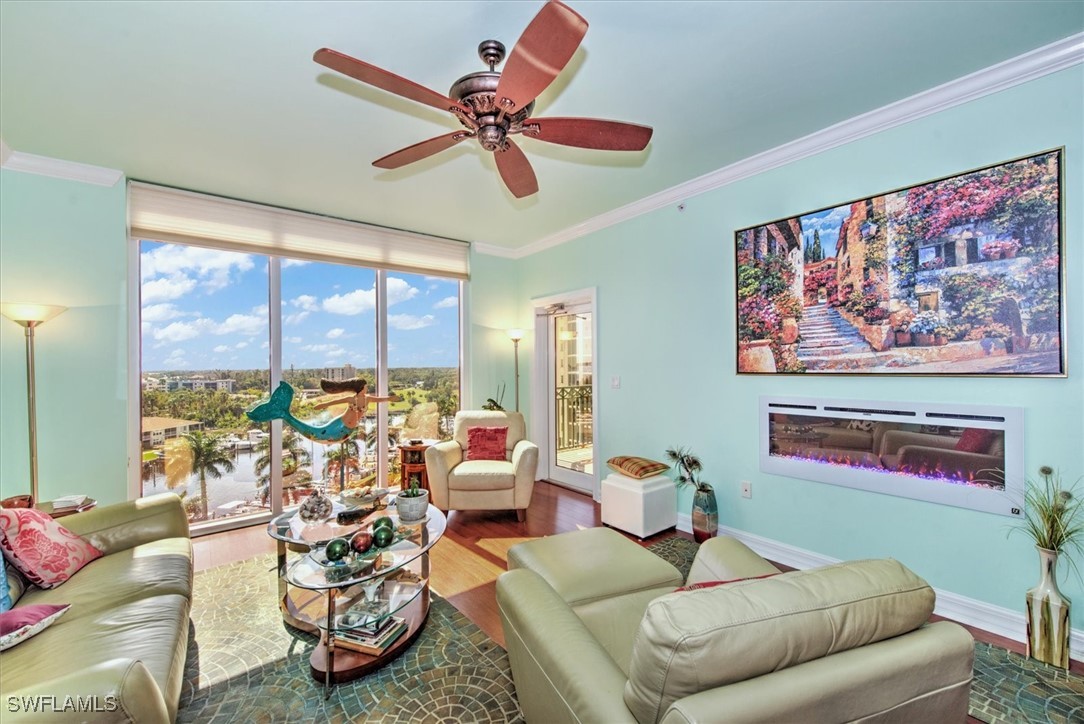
(962, 275)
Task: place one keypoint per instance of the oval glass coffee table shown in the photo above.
(382, 594)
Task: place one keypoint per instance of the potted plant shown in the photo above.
(705, 510)
(923, 327)
(1054, 520)
(412, 503)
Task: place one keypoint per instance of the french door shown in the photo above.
(569, 407)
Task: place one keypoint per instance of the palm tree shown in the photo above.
(294, 455)
(208, 458)
(342, 460)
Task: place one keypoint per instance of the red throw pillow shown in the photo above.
(486, 443)
(19, 624)
(975, 440)
(44, 551)
(713, 584)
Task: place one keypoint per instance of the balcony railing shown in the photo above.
(573, 417)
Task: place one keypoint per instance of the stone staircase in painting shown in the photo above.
(826, 334)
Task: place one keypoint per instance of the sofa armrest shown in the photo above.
(439, 461)
(726, 559)
(561, 673)
(121, 526)
(120, 690)
(524, 467)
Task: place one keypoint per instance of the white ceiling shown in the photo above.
(224, 97)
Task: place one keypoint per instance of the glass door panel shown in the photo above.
(572, 450)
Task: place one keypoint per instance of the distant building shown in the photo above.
(156, 430)
(200, 384)
(338, 374)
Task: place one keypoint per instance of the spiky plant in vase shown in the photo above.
(1054, 520)
(705, 510)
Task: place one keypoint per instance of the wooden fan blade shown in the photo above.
(516, 171)
(593, 133)
(385, 80)
(418, 151)
(540, 54)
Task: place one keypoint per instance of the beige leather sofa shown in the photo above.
(915, 451)
(456, 483)
(596, 633)
(125, 636)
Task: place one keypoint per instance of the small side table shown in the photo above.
(412, 465)
(47, 508)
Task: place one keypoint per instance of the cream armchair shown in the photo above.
(456, 483)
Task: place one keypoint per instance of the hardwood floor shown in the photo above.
(467, 561)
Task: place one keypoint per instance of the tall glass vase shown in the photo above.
(1048, 615)
(705, 514)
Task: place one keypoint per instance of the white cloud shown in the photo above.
(286, 263)
(240, 345)
(409, 321)
(295, 318)
(335, 333)
(175, 359)
(331, 351)
(831, 220)
(212, 266)
(292, 340)
(260, 309)
(160, 313)
(181, 331)
(265, 344)
(221, 348)
(358, 301)
(447, 303)
(166, 288)
(306, 302)
(399, 290)
(247, 324)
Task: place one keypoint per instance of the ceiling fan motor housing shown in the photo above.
(477, 91)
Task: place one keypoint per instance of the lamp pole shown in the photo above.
(31, 316)
(516, 335)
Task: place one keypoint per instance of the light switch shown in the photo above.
(615, 383)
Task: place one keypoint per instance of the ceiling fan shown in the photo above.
(494, 106)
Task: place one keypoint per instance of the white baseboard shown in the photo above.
(973, 612)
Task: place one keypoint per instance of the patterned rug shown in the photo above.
(244, 664)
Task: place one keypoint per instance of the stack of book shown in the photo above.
(371, 639)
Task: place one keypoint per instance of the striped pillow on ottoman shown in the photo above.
(636, 467)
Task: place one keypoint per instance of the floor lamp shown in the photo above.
(516, 335)
(31, 316)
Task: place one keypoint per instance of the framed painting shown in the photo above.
(958, 276)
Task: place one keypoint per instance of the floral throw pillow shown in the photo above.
(19, 624)
(486, 443)
(44, 551)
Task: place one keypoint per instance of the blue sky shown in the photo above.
(828, 223)
(208, 309)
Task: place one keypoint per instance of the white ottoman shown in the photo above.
(641, 507)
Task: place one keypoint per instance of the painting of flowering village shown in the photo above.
(956, 276)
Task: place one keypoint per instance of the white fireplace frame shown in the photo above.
(1009, 502)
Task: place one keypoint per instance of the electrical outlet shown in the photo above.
(615, 383)
(746, 489)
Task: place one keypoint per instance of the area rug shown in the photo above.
(244, 664)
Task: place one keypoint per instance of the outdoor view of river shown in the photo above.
(241, 483)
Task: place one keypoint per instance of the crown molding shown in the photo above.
(56, 168)
(1034, 64)
(494, 250)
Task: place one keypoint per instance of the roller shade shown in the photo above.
(159, 213)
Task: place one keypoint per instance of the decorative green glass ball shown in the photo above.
(383, 522)
(337, 548)
(383, 537)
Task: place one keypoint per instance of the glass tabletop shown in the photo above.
(313, 571)
(289, 527)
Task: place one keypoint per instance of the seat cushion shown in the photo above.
(482, 475)
(593, 564)
(692, 641)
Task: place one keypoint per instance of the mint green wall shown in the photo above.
(64, 242)
(492, 313)
(666, 325)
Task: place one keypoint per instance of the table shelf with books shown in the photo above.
(376, 603)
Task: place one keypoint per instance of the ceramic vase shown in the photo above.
(412, 508)
(705, 514)
(316, 509)
(1048, 615)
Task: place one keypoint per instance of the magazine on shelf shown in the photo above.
(375, 644)
(69, 501)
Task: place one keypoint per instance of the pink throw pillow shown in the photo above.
(44, 551)
(19, 624)
(975, 440)
(486, 443)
